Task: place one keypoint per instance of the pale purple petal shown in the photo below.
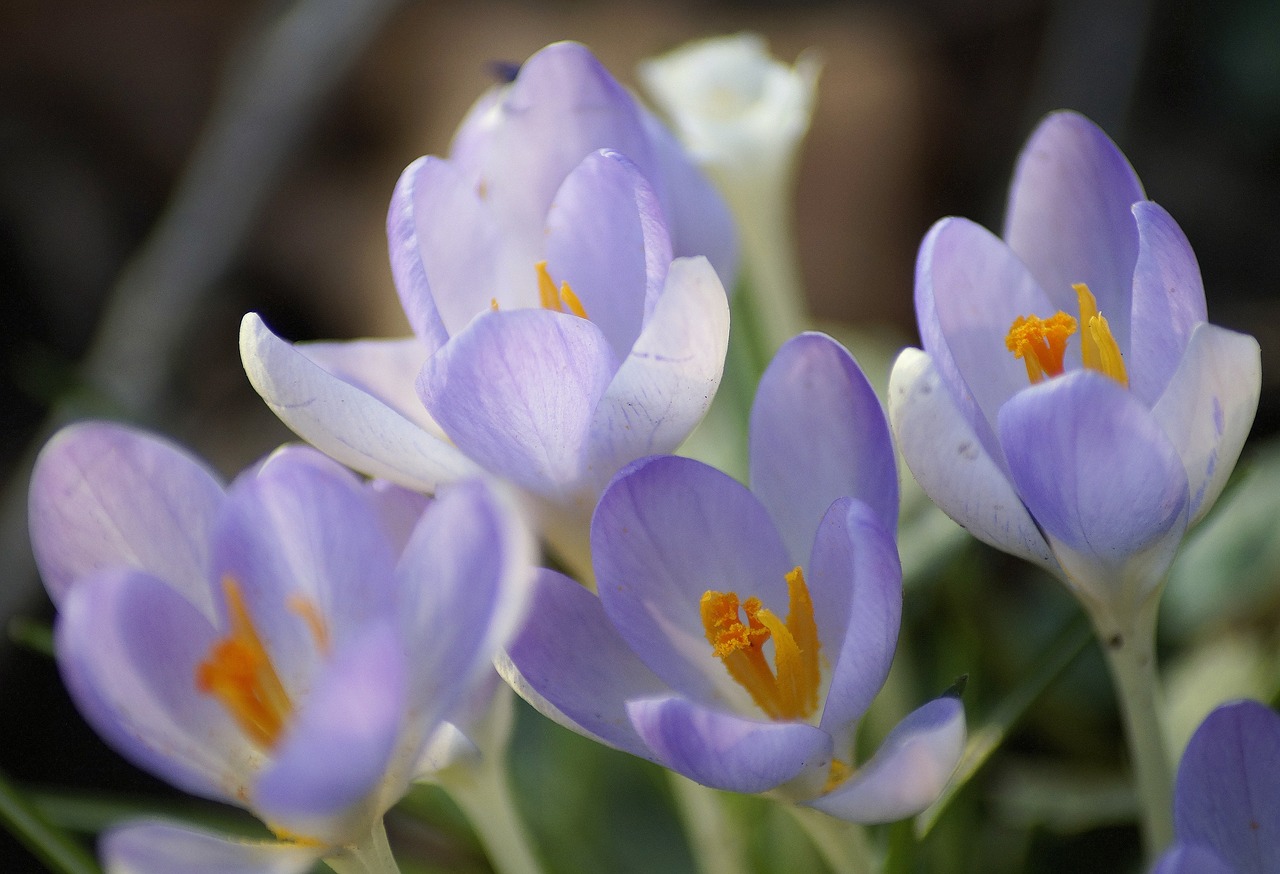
(569, 663)
(1192, 859)
(970, 288)
(1208, 408)
(156, 847)
(666, 531)
(1168, 301)
(399, 510)
(909, 770)
(407, 268)
(342, 421)
(463, 588)
(1093, 466)
(516, 392)
(105, 496)
(1068, 216)
(726, 751)
(335, 751)
(298, 535)
(664, 387)
(385, 369)
(948, 460)
(855, 581)
(607, 238)
(128, 647)
(818, 433)
(562, 106)
(1227, 796)
(697, 216)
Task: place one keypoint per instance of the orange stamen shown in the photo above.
(1040, 343)
(561, 300)
(1098, 348)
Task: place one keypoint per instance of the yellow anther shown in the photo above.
(239, 673)
(838, 774)
(1098, 348)
(1040, 343)
(788, 690)
(561, 300)
(493, 304)
(306, 608)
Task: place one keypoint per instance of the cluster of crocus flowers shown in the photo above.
(562, 271)
(292, 643)
(685, 657)
(1226, 805)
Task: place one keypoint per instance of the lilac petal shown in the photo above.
(562, 106)
(970, 288)
(666, 531)
(333, 755)
(1068, 216)
(463, 588)
(569, 663)
(299, 536)
(948, 460)
(818, 433)
(156, 847)
(725, 751)
(607, 238)
(398, 508)
(1191, 859)
(342, 421)
(855, 581)
(1093, 466)
(697, 216)
(1208, 408)
(385, 369)
(516, 391)
(407, 268)
(104, 496)
(128, 648)
(664, 387)
(909, 770)
(1168, 301)
(1227, 796)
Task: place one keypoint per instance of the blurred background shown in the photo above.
(105, 107)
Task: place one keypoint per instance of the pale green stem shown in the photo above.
(1130, 648)
(843, 845)
(483, 791)
(370, 856)
(714, 839)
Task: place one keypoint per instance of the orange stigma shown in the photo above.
(1042, 343)
(239, 673)
(562, 300)
(788, 690)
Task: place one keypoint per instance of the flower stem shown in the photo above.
(370, 856)
(843, 845)
(483, 791)
(1130, 648)
(714, 839)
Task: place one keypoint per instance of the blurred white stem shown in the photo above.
(843, 845)
(483, 791)
(713, 837)
(370, 856)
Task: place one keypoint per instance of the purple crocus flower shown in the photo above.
(1087, 445)
(685, 658)
(562, 325)
(1226, 806)
(290, 644)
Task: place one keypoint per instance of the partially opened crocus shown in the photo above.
(562, 274)
(290, 644)
(1226, 805)
(739, 635)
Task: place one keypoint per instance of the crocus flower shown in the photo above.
(290, 644)
(1072, 405)
(1226, 807)
(685, 657)
(742, 114)
(559, 331)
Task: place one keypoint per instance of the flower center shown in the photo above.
(561, 300)
(1042, 343)
(789, 689)
(239, 673)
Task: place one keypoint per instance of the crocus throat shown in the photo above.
(561, 300)
(239, 673)
(1042, 343)
(788, 690)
